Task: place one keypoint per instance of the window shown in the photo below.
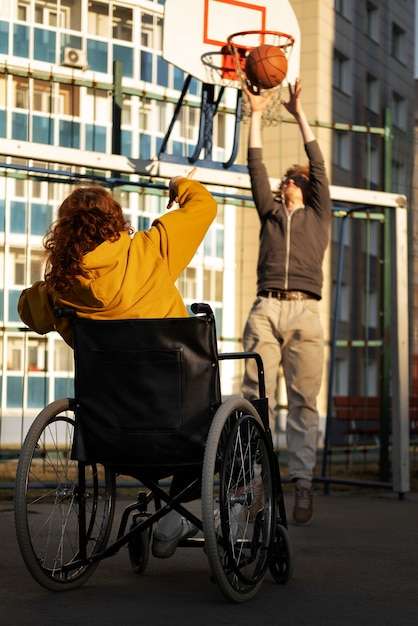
(372, 22)
(212, 285)
(122, 23)
(23, 11)
(14, 353)
(372, 94)
(98, 19)
(341, 377)
(400, 111)
(372, 230)
(398, 48)
(63, 357)
(371, 166)
(341, 150)
(369, 382)
(17, 261)
(344, 8)
(21, 93)
(341, 77)
(151, 31)
(399, 177)
(46, 13)
(188, 283)
(398, 43)
(344, 305)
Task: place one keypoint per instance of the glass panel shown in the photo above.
(41, 218)
(2, 123)
(14, 393)
(2, 215)
(98, 19)
(121, 53)
(219, 243)
(95, 138)
(21, 41)
(64, 388)
(44, 45)
(72, 9)
(63, 357)
(126, 143)
(144, 146)
(122, 23)
(36, 267)
(97, 53)
(162, 72)
(17, 217)
(42, 129)
(71, 41)
(178, 78)
(69, 134)
(37, 392)
(13, 300)
(146, 66)
(20, 126)
(4, 38)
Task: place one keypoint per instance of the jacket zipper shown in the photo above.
(286, 275)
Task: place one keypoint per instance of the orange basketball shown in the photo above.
(266, 66)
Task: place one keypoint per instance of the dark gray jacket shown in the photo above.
(292, 247)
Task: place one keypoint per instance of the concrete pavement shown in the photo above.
(356, 564)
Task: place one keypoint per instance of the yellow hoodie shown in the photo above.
(133, 277)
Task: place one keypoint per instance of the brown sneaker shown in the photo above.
(303, 509)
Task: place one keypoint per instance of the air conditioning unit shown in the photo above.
(74, 58)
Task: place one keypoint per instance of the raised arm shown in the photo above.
(294, 107)
(258, 106)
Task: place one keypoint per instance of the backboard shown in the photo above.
(196, 31)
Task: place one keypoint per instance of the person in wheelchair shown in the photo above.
(98, 266)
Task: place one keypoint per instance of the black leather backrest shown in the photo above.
(146, 389)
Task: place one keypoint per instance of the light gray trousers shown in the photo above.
(289, 332)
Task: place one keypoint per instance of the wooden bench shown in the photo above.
(362, 415)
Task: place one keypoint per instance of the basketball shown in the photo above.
(266, 66)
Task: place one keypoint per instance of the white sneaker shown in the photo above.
(164, 545)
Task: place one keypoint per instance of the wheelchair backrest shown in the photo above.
(145, 389)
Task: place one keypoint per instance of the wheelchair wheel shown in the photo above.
(282, 560)
(51, 529)
(238, 499)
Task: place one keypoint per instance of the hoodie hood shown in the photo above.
(104, 271)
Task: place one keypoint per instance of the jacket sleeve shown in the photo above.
(260, 183)
(320, 192)
(179, 233)
(35, 308)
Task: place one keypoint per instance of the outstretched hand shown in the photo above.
(172, 188)
(258, 102)
(293, 105)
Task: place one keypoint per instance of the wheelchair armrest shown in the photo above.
(201, 307)
(249, 355)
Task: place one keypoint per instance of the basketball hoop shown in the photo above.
(234, 55)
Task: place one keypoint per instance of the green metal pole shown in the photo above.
(386, 297)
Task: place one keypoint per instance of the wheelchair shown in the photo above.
(148, 405)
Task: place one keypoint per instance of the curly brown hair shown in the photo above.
(293, 170)
(87, 217)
